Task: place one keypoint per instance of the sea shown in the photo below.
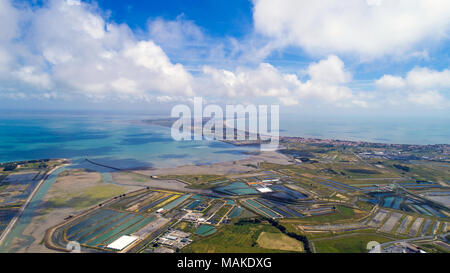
(120, 140)
(125, 141)
(378, 129)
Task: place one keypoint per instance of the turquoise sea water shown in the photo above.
(127, 142)
(122, 140)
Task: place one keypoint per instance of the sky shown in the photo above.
(374, 57)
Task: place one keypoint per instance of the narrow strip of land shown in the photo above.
(13, 222)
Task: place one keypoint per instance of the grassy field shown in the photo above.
(198, 181)
(87, 197)
(342, 214)
(234, 238)
(352, 243)
(279, 241)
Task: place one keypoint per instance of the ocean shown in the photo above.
(396, 130)
(117, 140)
(127, 142)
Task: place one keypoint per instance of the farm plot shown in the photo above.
(214, 206)
(205, 230)
(154, 202)
(415, 227)
(236, 188)
(279, 241)
(176, 202)
(433, 211)
(102, 227)
(215, 219)
(89, 222)
(319, 211)
(403, 228)
(421, 210)
(389, 225)
(420, 185)
(280, 208)
(434, 228)
(131, 204)
(281, 192)
(193, 204)
(378, 218)
(340, 187)
(98, 230)
(425, 227)
(125, 229)
(150, 201)
(260, 209)
(235, 212)
(397, 202)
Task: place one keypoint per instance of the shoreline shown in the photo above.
(13, 222)
(306, 140)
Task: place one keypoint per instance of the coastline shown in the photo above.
(241, 166)
(307, 140)
(13, 222)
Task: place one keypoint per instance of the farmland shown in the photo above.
(339, 199)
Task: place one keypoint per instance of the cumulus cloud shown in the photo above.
(421, 86)
(417, 78)
(390, 82)
(353, 26)
(265, 80)
(69, 47)
(326, 83)
(330, 70)
(428, 98)
(177, 33)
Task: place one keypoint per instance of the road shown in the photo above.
(13, 222)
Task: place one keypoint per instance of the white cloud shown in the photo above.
(330, 70)
(326, 83)
(421, 86)
(67, 49)
(428, 98)
(9, 21)
(29, 75)
(353, 26)
(425, 78)
(9, 18)
(264, 81)
(390, 82)
(175, 33)
(419, 78)
(68, 46)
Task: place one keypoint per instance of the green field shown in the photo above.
(279, 241)
(351, 243)
(198, 181)
(87, 197)
(234, 238)
(342, 214)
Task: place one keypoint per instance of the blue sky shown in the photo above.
(219, 18)
(360, 56)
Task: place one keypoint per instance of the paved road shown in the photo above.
(378, 249)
